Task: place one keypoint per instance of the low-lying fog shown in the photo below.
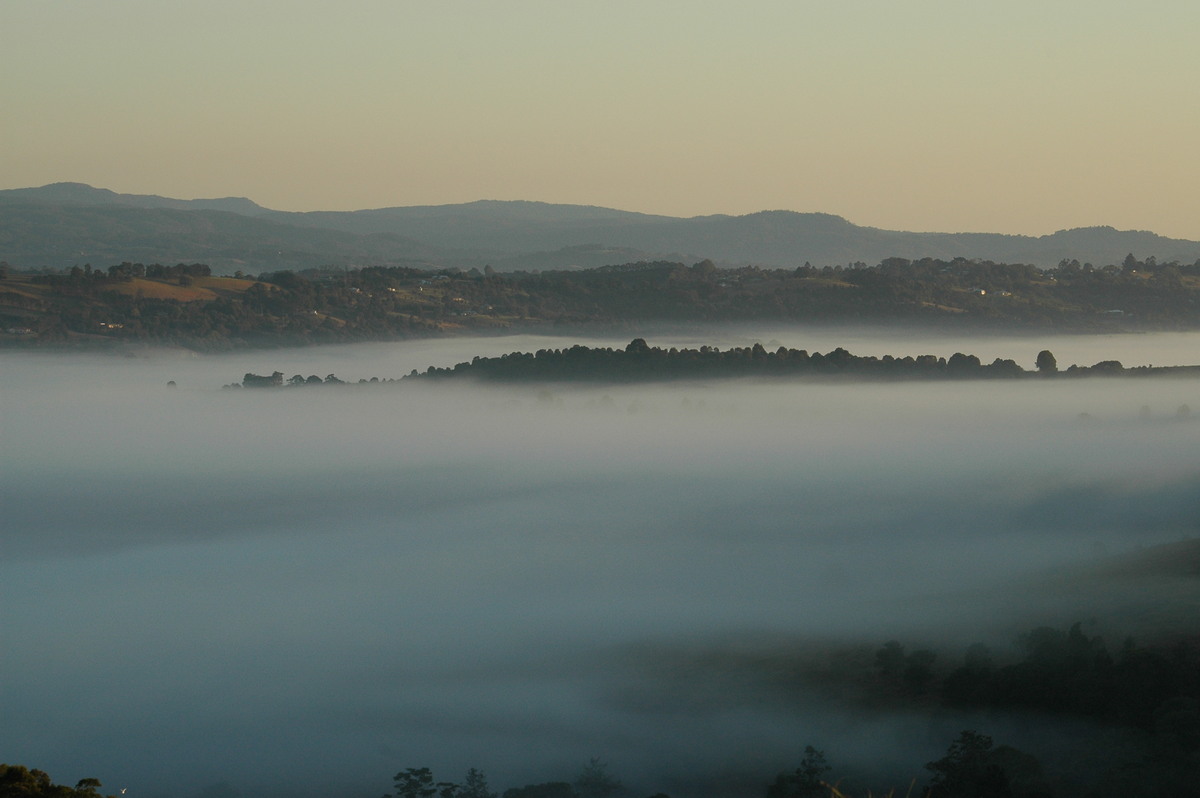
(304, 591)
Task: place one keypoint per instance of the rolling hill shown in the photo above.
(67, 224)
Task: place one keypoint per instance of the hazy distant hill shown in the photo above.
(83, 194)
(106, 231)
(484, 225)
(65, 224)
(505, 230)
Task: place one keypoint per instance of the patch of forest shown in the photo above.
(640, 362)
(186, 305)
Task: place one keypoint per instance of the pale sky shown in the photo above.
(946, 115)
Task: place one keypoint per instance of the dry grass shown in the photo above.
(23, 288)
(202, 289)
(828, 282)
(944, 308)
(154, 289)
(223, 286)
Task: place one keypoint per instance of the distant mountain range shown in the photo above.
(67, 224)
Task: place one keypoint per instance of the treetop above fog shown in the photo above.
(640, 362)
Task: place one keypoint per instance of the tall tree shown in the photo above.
(1046, 363)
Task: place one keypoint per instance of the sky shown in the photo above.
(927, 115)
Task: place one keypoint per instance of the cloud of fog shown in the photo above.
(306, 591)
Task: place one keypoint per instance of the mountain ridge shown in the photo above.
(83, 194)
(58, 226)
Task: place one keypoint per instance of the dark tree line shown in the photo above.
(1154, 689)
(1151, 692)
(593, 781)
(639, 362)
(18, 781)
(973, 767)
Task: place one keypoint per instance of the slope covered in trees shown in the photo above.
(185, 305)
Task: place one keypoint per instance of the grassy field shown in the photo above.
(201, 288)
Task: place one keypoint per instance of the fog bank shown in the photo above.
(305, 591)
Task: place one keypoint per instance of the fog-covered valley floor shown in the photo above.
(303, 591)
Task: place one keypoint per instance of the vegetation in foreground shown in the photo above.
(18, 781)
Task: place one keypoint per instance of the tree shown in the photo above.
(419, 783)
(594, 781)
(808, 781)
(549, 789)
(638, 346)
(960, 363)
(415, 783)
(1046, 364)
(972, 768)
(969, 684)
(17, 781)
(475, 786)
(966, 771)
(918, 669)
(251, 380)
(890, 658)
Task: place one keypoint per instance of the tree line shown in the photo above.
(640, 362)
(1150, 694)
(1152, 688)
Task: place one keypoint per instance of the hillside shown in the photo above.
(70, 224)
(61, 236)
(186, 305)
